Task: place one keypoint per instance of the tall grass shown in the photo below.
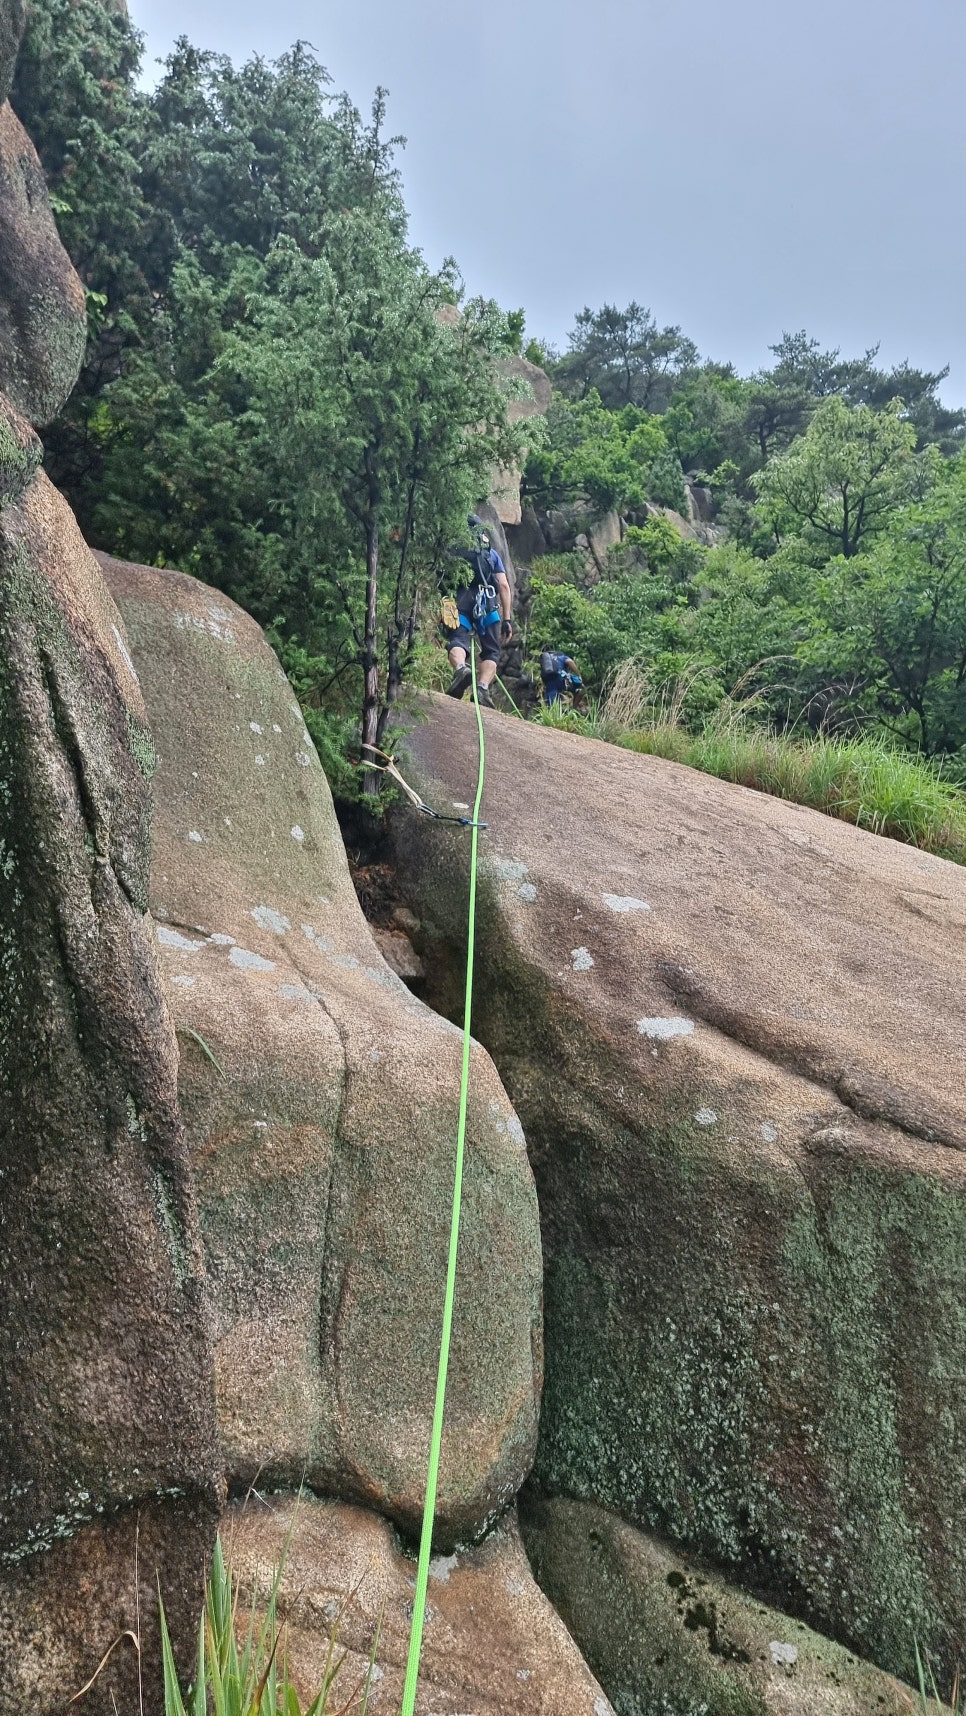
(930, 1702)
(861, 780)
(252, 1678)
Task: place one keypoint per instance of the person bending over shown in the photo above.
(559, 674)
(483, 606)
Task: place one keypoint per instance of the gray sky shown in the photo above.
(740, 168)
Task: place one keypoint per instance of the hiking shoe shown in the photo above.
(483, 697)
(460, 683)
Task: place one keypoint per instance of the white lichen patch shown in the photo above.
(625, 903)
(442, 1566)
(214, 626)
(705, 1117)
(247, 961)
(260, 761)
(255, 728)
(125, 654)
(303, 761)
(267, 918)
(459, 805)
(194, 836)
(223, 940)
(580, 959)
(323, 943)
(782, 1655)
(183, 980)
(297, 834)
(173, 938)
(515, 1130)
(295, 992)
(527, 892)
(663, 1029)
(506, 869)
(769, 1132)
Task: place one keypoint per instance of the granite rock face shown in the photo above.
(321, 1103)
(733, 1029)
(108, 1465)
(492, 1644)
(666, 1633)
(43, 318)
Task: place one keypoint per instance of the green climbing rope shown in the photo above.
(432, 1475)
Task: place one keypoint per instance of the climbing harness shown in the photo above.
(388, 767)
(432, 1474)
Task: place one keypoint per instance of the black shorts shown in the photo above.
(490, 639)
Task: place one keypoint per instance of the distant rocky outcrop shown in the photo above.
(733, 1030)
(530, 397)
(322, 1140)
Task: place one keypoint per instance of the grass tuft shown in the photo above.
(252, 1678)
(862, 780)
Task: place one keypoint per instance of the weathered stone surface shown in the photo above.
(492, 1644)
(531, 400)
(666, 1634)
(323, 1147)
(21, 454)
(43, 322)
(734, 1031)
(106, 1387)
(13, 16)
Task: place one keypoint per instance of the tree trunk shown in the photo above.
(370, 660)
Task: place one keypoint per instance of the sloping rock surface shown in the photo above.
(734, 1031)
(492, 1644)
(13, 16)
(43, 318)
(666, 1634)
(108, 1467)
(321, 1102)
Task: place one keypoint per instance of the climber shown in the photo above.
(559, 674)
(484, 606)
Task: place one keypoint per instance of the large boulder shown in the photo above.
(734, 1030)
(108, 1466)
(43, 316)
(13, 17)
(530, 391)
(321, 1103)
(666, 1634)
(492, 1644)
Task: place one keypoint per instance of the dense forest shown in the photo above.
(280, 396)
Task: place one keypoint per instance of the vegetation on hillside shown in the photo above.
(281, 397)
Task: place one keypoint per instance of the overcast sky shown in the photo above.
(741, 168)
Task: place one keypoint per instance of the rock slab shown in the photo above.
(734, 1030)
(321, 1104)
(492, 1645)
(667, 1634)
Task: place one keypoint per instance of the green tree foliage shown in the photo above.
(291, 403)
(602, 460)
(835, 488)
(893, 620)
(624, 356)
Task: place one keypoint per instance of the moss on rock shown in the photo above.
(667, 1636)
